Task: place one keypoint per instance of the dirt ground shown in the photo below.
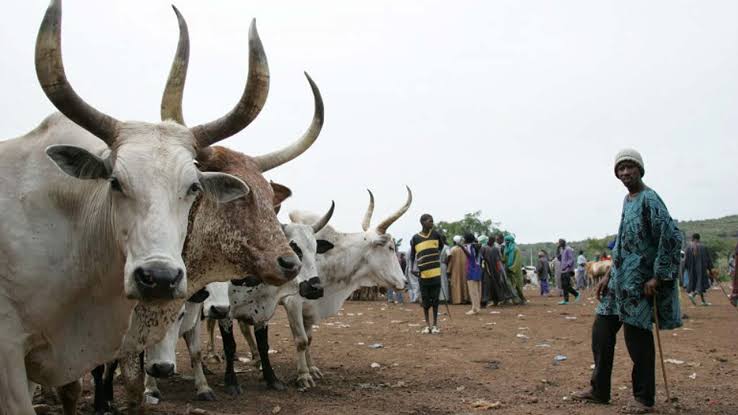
(502, 360)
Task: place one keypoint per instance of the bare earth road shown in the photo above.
(500, 361)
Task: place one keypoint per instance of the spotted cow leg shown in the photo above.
(69, 395)
(100, 403)
(131, 367)
(294, 315)
(312, 368)
(192, 338)
(210, 355)
(110, 369)
(229, 347)
(248, 333)
(262, 340)
(103, 376)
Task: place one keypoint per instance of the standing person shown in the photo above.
(698, 264)
(444, 296)
(396, 295)
(457, 268)
(543, 269)
(473, 272)
(581, 272)
(734, 274)
(567, 272)
(413, 287)
(486, 277)
(425, 255)
(499, 291)
(644, 264)
(500, 247)
(557, 271)
(513, 266)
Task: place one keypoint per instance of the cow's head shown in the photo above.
(160, 359)
(216, 305)
(380, 256)
(244, 233)
(212, 302)
(256, 302)
(151, 177)
(367, 258)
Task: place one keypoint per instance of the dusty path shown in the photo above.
(504, 354)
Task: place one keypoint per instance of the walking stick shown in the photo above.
(448, 310)
(661, 352)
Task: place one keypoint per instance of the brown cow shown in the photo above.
(595, 270)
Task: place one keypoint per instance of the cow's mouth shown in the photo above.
(311, 289)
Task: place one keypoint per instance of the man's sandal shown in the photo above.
(636, 408)
(587, 396)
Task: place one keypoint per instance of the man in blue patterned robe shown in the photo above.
(645, 266)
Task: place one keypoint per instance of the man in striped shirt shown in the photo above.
(425, 252)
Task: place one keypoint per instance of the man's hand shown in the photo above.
(602, 286)
(650, 287)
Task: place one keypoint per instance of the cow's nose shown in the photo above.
(160, 370)
(290, 266)
(157, 280)
(311, 289)
(218, 312)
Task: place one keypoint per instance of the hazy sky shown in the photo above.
(515, 108)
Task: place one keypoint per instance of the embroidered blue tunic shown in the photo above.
(647, 245)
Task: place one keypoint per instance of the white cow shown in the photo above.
(255, 304)
(160, 359)
(359, 259)
(94, 218)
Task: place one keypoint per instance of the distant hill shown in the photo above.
(719, 235)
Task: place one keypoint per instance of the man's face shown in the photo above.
(562, 243)
(427, 222)
(628, 173)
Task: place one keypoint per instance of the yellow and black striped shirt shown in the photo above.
(426, 253)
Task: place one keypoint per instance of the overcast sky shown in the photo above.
(515, 108)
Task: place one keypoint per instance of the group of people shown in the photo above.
(474, 270)
(641, 282)
(480, 270)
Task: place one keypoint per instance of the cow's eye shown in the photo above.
(195, 188)
(115, 184)
(297, 249)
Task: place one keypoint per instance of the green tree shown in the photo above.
(472, 222)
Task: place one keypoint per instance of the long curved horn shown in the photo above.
(369, 212)
(171, 101)
(53, 80)
(279, 157)
(320, 224)
(382, 227)
(251, 102)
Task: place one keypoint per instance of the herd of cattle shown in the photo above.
(118, 235)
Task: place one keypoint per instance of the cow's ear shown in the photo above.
(78, 162)
(223, 187)
(281, 193)
(199, 296)
(324, 246)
